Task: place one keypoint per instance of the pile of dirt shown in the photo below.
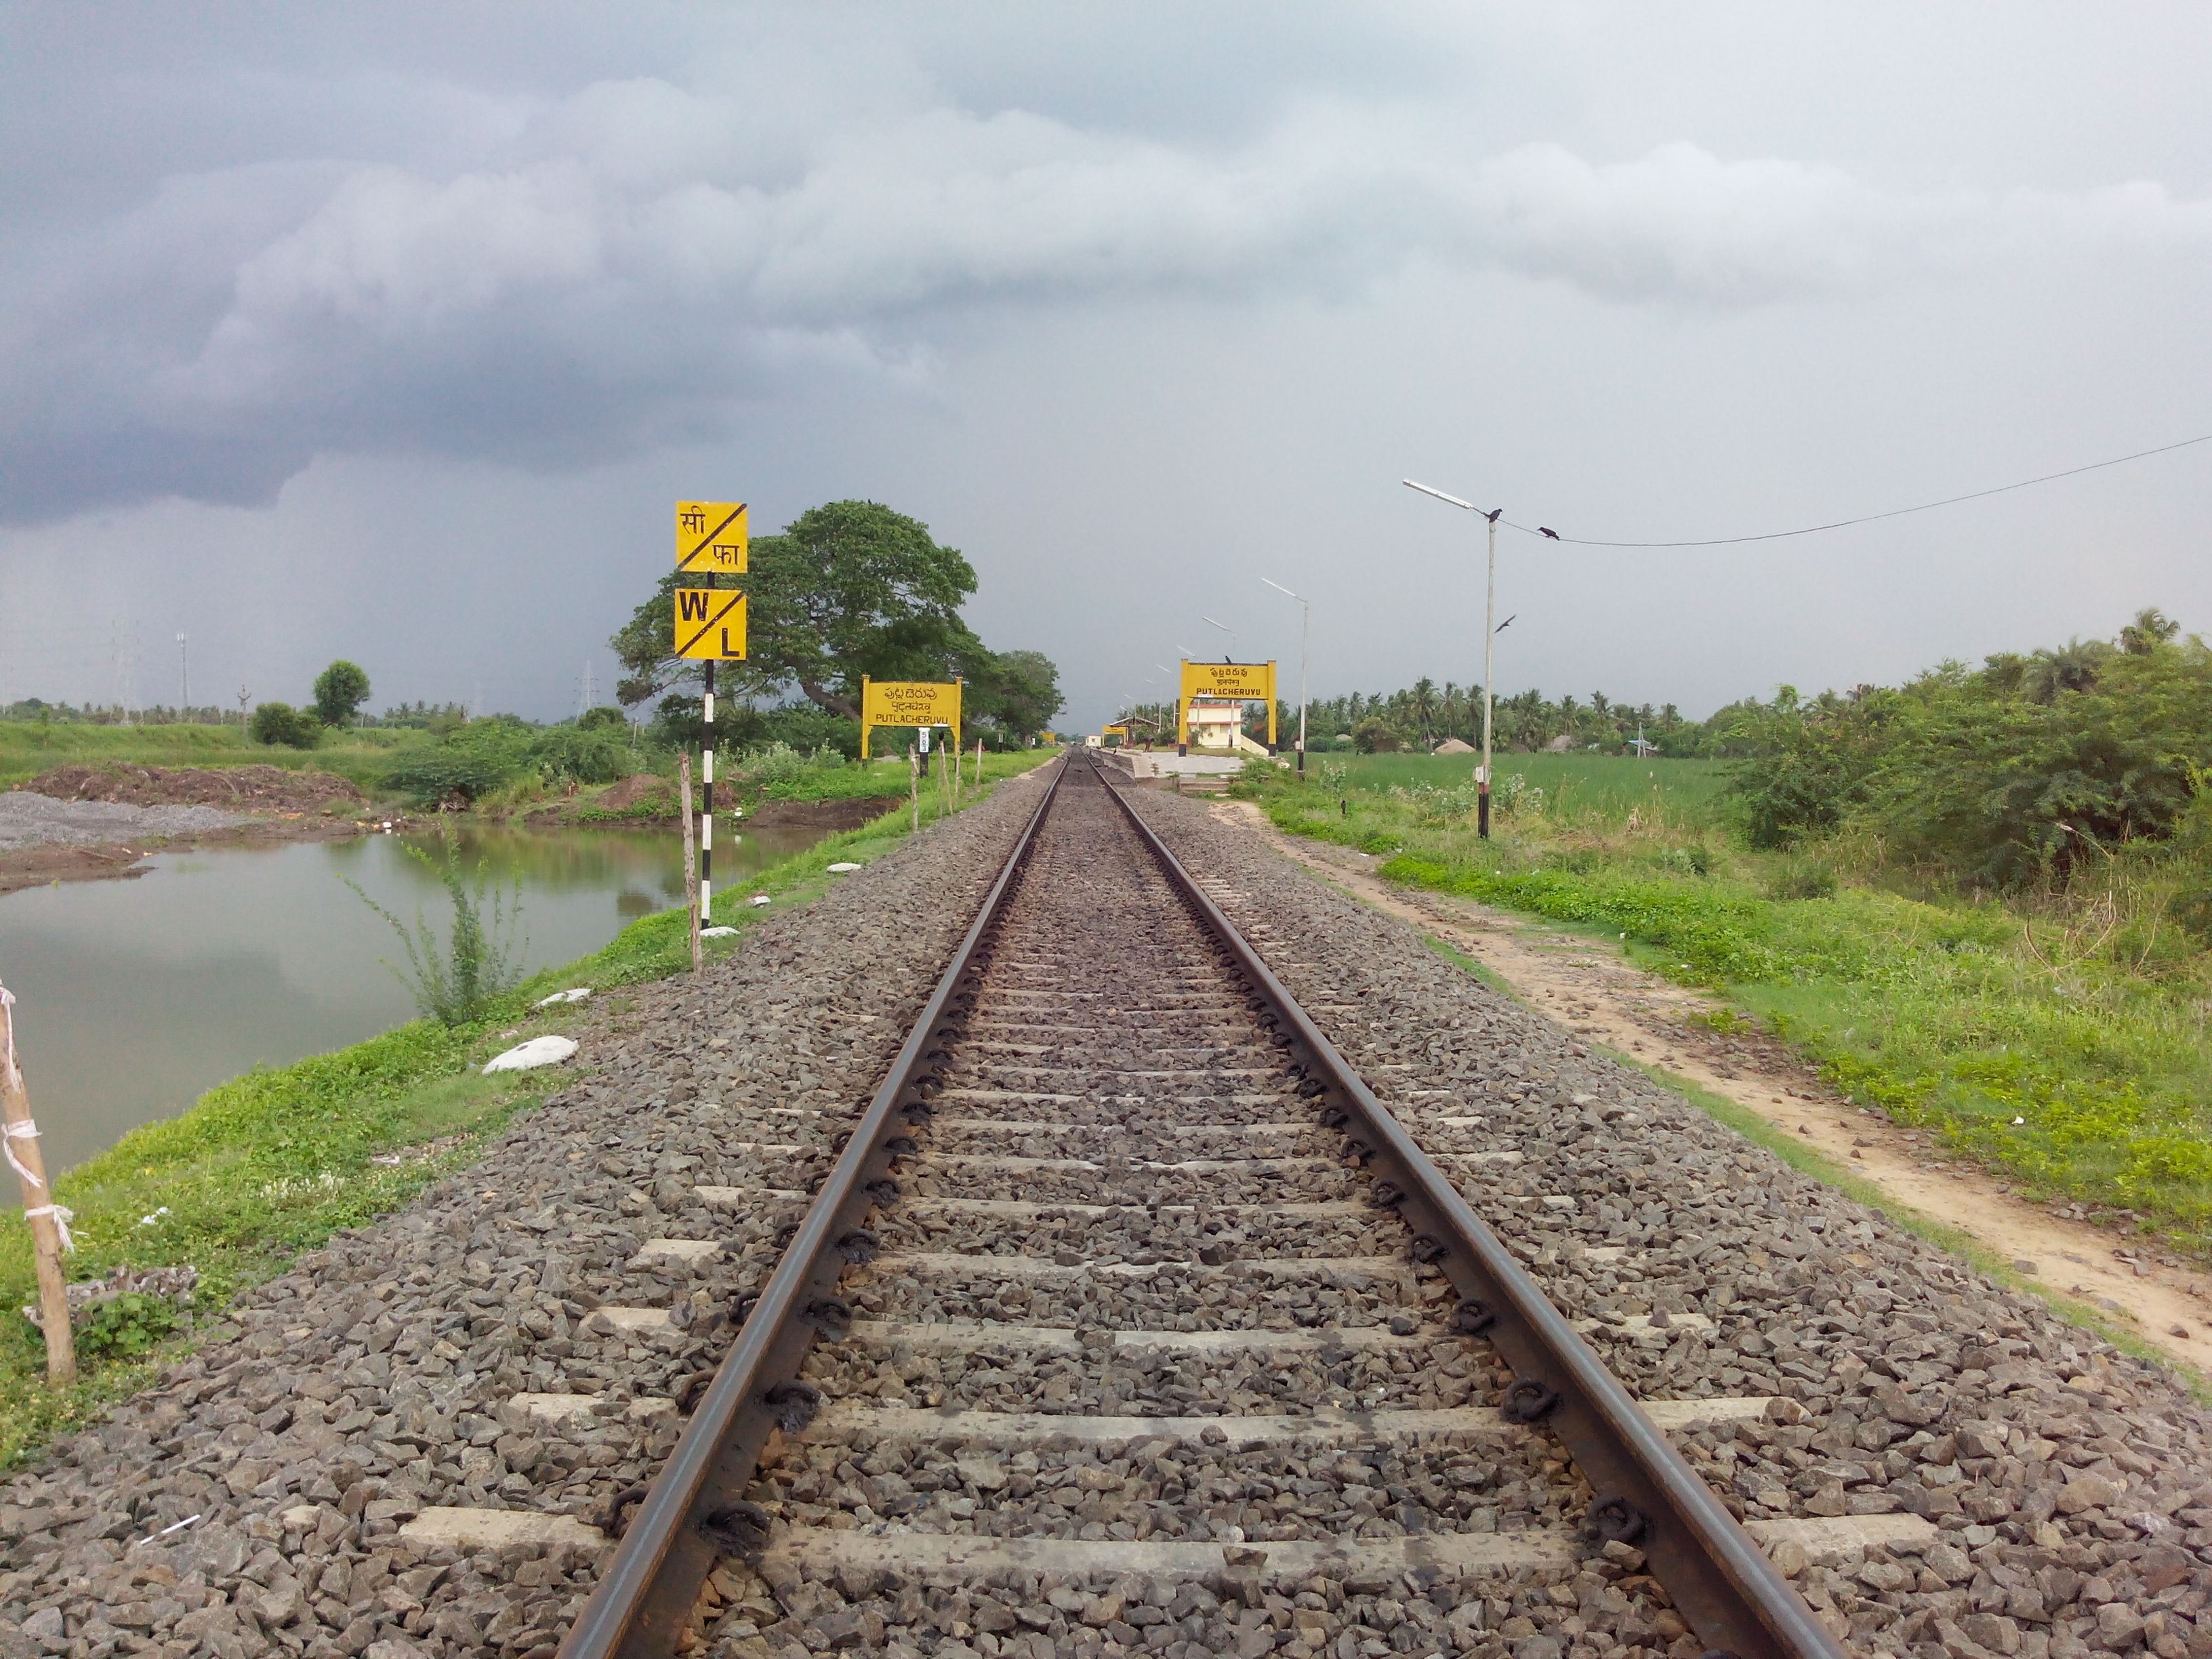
(645, 789)
(243, 788)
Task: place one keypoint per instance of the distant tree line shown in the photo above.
(2026, 769)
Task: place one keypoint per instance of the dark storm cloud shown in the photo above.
(557, 281)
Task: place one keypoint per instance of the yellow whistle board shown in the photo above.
(710, 538)
(710, 624)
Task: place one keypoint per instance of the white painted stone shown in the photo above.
(718, 933)
(842, 869)
(528, 1056)
(493, 1529)
(1827, 1541)
(576, 996)
(676, 1249)
(761, 898)
(607, 1321)
(556, 1408)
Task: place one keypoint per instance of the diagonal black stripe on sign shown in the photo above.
(710, 541)
(736, 599)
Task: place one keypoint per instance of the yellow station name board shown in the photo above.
(908, 703)
(1241, 682)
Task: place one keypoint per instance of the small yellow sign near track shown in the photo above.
(710, 624)
(710, 537)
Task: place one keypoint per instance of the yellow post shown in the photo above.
(49, 1220)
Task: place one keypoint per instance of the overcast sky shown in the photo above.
(392, 332)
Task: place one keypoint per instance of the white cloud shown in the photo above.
(643, 252)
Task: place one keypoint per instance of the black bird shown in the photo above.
(1547, 530)
(1508, 622)
(1492, 515)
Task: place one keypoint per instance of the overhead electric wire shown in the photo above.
(1871, 518)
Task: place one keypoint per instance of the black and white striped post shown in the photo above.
(710, 628)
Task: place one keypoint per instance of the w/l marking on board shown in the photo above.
(710, 624)
(710, 537)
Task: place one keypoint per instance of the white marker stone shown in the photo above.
(576, 996)
(528, 1056)
(761, 898)
(842, 869)
(493, 1529)
(718, 933)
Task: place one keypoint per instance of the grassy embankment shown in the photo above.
(28, 748)
(275, 1161)
(2081, 1076)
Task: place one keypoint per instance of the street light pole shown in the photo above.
(1305, 635)
(1489, 651)
(184, 677)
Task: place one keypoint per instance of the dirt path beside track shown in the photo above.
(1587, 987)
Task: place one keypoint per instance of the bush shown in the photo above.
(604, 718)
(479, 758)
(1800, 878)
(280, 723)
(570, 754)
(126, 1326)
(480, 960)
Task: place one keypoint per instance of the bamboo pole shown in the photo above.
(49, 1229)
(690, 856)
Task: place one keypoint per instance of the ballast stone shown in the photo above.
(529, 1056)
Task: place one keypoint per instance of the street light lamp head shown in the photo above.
(1428, 490)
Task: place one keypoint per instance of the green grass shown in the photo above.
(275, 1161)
(1605, 786)
(28, 748)
(874, 779)
(2092, 1083)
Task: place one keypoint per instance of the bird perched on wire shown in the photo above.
(1492, 515)
(1547, 530)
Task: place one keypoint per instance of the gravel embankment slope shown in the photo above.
(378, 1378)
(34, 820)
(2069, 1487)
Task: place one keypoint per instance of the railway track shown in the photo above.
(1128, 1320)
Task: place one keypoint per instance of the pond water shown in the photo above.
(134, 997)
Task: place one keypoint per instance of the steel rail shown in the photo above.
(1646, 1495)
(691, 1516)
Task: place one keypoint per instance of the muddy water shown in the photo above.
(135, 996)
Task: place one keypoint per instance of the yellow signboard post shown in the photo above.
(710, 624)
(1225, 682)
(710, 538)
(908, 703)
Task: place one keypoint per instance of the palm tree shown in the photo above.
(2073, 668)
(1425, 705)
(1451, 702)
(2151, 629)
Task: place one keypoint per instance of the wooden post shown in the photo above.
(45, 1216)
(690, 857)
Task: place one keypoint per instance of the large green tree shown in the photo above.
(340, 690)
(849, 589)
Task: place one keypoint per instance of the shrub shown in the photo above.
(1800, 878)
(280, 723)
(454, 983)
(604, 717)
(126, 1326)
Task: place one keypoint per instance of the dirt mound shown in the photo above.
(243, 788)
(646, 788)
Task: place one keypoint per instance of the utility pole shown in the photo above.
(1305, 635)
(1489, 650)
(184, 677)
